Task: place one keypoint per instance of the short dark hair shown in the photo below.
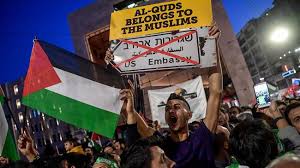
(174, 96)
(71, 140)
(77, 160)
(139, 155)
(289, 108)
(253, 144)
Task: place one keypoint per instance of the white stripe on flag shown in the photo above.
(87, 91)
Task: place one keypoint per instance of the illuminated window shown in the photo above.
(16, 89)
(18, 103)
(21, 118)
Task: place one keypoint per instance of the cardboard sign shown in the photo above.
(188, 48)
(160, 17)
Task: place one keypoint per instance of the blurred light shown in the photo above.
(131, 5)
(298, 66)
(290, 52)
(280, 57)
(261, 79)
(18, 103)
(284, 55)
(267, 14)
(297, 49)
(20, 117)
(57, 122)
(279, 35)
(16, 89)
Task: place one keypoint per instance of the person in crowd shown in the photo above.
(146, 153)
(245, 115)
(221, 147)
(68, 160)
(108, 148)
(292, 115)
(287, 132)
(105, 161)
(286, 161)
(281, 106)
(253, 144)
(233, 112)
(118, 146)
(71, 145)
(90, 153)
(186, 149)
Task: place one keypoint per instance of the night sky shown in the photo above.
(22, 20)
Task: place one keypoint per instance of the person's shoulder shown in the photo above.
(202, 131)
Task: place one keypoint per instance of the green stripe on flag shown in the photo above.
(74, 112)
(1, 100)
(10, 148)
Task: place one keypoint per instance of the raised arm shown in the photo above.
(133, 117)
(215, 88)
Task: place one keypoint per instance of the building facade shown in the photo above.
(268, 58)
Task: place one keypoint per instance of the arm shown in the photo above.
(133, 117)
(215, 89)
(285, 130)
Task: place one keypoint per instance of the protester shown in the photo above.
(72, 146)
(292, 115)
(186, 149)
(146, 153)
(253, 144)
(286, 131)
(286, 161)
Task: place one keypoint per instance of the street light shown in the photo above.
(279, 35)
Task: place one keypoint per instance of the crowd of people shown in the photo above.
(235, 137)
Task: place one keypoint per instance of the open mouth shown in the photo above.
(173, 119)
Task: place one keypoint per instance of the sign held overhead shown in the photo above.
(161, 17)
(187, 48)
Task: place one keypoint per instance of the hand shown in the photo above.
(214, 31)
(127, 96)
(272, 111)
(26, 147)
(108, 56)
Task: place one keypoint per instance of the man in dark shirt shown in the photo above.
(186, 149)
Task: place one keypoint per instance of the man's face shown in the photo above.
(294, 116)
(108, 150)
(177, 115)
(117, 145)
(68, 146)
(282, 108)
(159, 159)
(233, 113)
(88, 151)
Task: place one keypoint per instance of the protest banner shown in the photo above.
(160, 17)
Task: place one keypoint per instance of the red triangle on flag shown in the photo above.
(41, 73)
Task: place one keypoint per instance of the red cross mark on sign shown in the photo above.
(156, 49)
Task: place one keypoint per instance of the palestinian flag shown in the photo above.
(7, 145)
(72, 89)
